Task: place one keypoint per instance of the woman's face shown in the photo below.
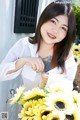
(54, 30)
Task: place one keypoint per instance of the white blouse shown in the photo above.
(23, 48)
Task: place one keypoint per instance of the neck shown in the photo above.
(46, 46)
(45, 50)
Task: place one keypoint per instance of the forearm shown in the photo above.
(18, 65)
(35, 63)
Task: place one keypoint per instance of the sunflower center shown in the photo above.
(75, 59)
(55, 119)
(60, 105)
(76, 50)
(69, 117)
(45, 113)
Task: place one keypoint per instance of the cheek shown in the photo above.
(63, 34)
(42, 30)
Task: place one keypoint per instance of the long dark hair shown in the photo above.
(61, 49)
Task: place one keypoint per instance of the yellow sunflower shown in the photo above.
(59, 101)
(27, 110)
(39, 108)
(29, 106)
(55, 115)
(76, 52)
(35, 93)
(74, 116)
(23, 115)
(22, 101)
(46, 116)
(42, 112)
(18, 95)
(76, 98)
(59, 87)
(77, 59)
(76, 49)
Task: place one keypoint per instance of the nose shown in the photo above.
(55, 30)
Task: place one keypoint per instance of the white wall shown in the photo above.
(7, 39)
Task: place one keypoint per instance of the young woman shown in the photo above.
(49, 51)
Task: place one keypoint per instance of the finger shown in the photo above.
(40, 65)
(33, 66)
(37, 66)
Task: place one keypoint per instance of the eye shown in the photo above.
(53, 21)
(64, 28)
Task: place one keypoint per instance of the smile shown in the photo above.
(51, 35)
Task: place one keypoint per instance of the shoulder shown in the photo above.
(24, 40)
(22, 43)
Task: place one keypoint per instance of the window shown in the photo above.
(25, 16)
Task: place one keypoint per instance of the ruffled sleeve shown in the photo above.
(16, 52)
(4, 68)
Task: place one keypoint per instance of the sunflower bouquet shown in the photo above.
(51, 103)
(76, 52)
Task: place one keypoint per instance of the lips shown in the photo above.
(51, 35)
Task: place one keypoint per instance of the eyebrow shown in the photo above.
(58, 21)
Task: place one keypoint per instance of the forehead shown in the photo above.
(62, 19)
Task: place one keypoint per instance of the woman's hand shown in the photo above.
(35, 63)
